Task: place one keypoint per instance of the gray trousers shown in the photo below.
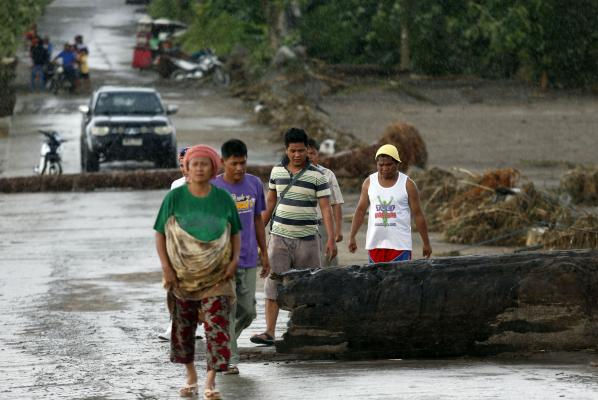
(243, 312)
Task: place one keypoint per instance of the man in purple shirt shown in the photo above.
(248, 192)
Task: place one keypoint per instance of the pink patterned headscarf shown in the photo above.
(201, 150)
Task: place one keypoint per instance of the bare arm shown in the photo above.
(231, 270)
(420, 219)
(337, 211)
(358, 217)
(270, 204)
(324, 203)
(260, 235)
(168, 274)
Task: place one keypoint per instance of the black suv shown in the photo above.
(127, 123)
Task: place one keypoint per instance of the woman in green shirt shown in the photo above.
(198, 242)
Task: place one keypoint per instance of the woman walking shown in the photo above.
(198, 242)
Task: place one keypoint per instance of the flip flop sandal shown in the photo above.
(211, 394)
(262, 338)
(189, 390)
(232, 370)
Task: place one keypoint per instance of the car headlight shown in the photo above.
(100, 130)
(163, 130)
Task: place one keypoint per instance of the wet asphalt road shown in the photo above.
(80, 297)
(81, 306)
(206, 113)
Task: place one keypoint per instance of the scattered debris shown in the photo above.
(491, 209)
(289, 96)
(535, 236)
(581, 184)
(582, 234)
(437, 187)
(412, 148)
(359, 162)
(327, 147)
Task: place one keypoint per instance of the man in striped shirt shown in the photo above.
(294, 241)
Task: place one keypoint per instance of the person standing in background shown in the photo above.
(49, 46)
(175, 184)
(82, 57)
(248, 193)
(336, 202)
(39, 58)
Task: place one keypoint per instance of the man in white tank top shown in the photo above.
(392, 198)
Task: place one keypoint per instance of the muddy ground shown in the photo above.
(478, 125)
(81, 306)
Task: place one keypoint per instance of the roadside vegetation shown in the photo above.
(17, 17)
(551, 42)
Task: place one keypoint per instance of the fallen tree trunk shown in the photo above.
(136, 180)
(442, 307)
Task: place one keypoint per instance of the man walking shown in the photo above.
(296, 188)
(392, 198)
(69, 60)
(248, 192)
(336, 202)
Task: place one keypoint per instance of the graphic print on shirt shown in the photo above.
(385, 210)
(244, 202)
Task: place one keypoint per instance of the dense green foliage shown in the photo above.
(181, 10)
(16, 16)
(352, 31)
(223, 24)
(490, 38)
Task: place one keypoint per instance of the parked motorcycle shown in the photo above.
(200, 67)
(50, 157)
(57, 79)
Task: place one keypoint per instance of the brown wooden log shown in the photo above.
(359, 162)
(454, 306)
(137, 180)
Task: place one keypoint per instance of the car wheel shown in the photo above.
(55, 86)
(91, 160)
(82, 153)
(53, 169)
(178, 76)
(221, 77)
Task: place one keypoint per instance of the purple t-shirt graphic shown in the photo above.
(249, 198)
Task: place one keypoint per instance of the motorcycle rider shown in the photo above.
(69, 60)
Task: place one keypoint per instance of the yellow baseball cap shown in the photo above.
(388, 150)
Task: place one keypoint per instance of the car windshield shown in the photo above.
(125, 103)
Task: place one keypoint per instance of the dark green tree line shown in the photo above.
(490, 38)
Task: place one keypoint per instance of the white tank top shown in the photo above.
(389, 220)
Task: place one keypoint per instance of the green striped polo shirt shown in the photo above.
(296, 216)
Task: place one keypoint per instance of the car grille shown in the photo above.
(133, 129)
